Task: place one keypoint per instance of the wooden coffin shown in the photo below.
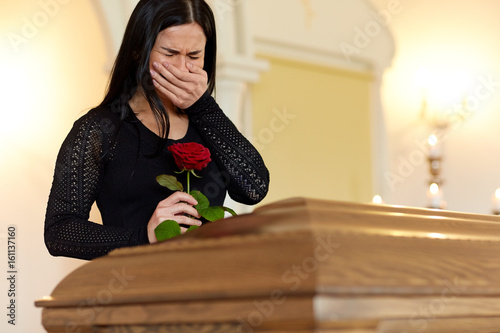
(299, 265)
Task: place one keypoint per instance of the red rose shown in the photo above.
(190, 156)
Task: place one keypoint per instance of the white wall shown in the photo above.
(47, 81)
(325, 32)
(445, 36)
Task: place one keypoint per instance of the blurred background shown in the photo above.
(344, 99)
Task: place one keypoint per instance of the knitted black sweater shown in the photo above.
(112, 162)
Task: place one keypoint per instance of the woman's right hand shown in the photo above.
(175, 207)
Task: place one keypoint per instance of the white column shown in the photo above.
(237, 67)
(114, 15)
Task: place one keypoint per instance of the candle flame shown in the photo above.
(377, 199)
(433, 140)
(434, 188)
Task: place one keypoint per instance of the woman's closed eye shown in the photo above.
(190, 57)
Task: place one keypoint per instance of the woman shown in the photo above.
(159, 94)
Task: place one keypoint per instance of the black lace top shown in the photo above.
(112, 162)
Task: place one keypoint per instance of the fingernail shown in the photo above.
(156, 65)
(153, 73)
(165, 64)
(189, 65)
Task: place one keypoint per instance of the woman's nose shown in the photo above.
(181, 62)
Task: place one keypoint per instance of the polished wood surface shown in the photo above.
(299, 265)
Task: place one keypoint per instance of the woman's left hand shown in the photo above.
(182, 88)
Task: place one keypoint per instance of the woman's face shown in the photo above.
(180, 45)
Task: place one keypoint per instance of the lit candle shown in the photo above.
(496, 202)
(434, 151)
(435, 196)
(377, 199)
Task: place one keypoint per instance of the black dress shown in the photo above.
(111, 161)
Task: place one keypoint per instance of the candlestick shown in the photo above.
(435, 160)
(434, 150)
(496, 202)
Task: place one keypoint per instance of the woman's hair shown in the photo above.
(131, 69)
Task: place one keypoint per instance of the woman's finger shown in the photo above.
(164, 84)
(196, 70)
(178, 197)
(178, 209)
(185, 220)
(194, 74)
(175, 76)
(187, 86)
(171, 92)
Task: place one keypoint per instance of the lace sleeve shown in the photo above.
(78, 174)
(233, 153)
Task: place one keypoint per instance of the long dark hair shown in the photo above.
(131, 69)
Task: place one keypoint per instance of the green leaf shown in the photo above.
(169, 182)
(167, 229)
(229, 210)
(193, 227)
(203, 202)
(213, 213)
(210, 213)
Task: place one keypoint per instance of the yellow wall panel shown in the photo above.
(312, 125)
